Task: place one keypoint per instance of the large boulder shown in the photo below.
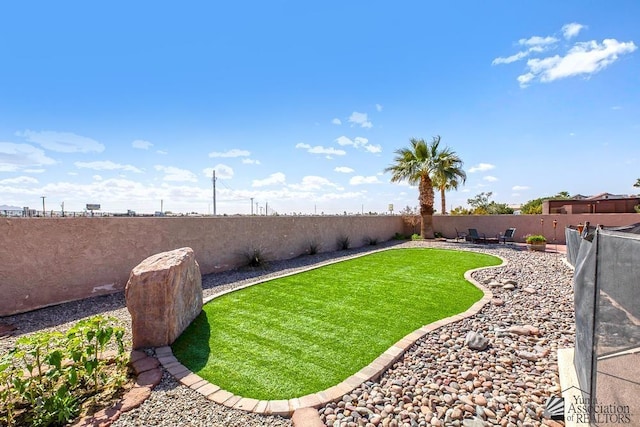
(163, 295)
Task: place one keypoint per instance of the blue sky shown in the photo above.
(301, 105)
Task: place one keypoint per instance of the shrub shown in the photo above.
(372, 241)
(343, 243)
(438, 235)
(535, 239)
(416, 236)
(48, 376)
(313, 247)
(254, 258)
(399, 236)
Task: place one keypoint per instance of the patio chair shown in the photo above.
(508, 236)
(460, 235)
(476, 237)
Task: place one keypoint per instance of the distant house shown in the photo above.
(600, 203)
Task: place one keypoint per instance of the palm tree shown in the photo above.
(448, 175)
(419, 164)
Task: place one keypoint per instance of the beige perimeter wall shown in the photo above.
(46, 261)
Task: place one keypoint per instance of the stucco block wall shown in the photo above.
(46, 261)
(493, 225)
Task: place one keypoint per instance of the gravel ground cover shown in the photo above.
(438, 382)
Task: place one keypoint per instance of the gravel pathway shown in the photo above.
(439, 381)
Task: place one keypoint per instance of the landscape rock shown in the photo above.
(163, 295)
(476, 341)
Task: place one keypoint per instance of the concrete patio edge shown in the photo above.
(286, 408)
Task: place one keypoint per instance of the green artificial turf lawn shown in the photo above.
(301, 334)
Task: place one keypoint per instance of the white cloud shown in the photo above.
(343, 169)
(343, 140)
(490, 178)
(176, 174)
(16, 156)
(273, 179)
(571, 30)
(585, 58)
(359, 142)
(319, 149)
(18, 180)
(314, 183)
(222, 171)
(519, 188)
(581, 59)
(509, 59)
(141, 144)
(336, 121)
(63, 142)
(534, 44)
(163, 152)
(35, 170)
(378, 108)
(482, 167)
(97, 177)
(538, 41)
(250, 162)
(231, 153)
(106, 165)
(360, 119)
(373, 148)
(358, 180)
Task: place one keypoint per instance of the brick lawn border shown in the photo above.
(286, 408)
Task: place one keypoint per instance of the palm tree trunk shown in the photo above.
(443, 201)
(426, 207)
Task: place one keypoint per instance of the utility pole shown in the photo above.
(213, 179)
(252, 206)
(44, 212)
(161, 206)
(266, 208)
(256, 208)
(62, 206)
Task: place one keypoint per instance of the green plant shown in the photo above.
(637, 208)
(313, 247)
(47, 376)
(438, 235)
(372, 241)
(343, 243)
(254, 258)
(399, 236)
(535, 239)
(416, 236)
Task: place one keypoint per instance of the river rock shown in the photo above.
(476, 341)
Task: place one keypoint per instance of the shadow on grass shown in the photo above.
(192, 346)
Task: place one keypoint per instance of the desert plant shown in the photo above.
(416, 236)
(313, 247)
(254, 258)
(372, 241)
(399, 236)
(535, 239)
(343, 242)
